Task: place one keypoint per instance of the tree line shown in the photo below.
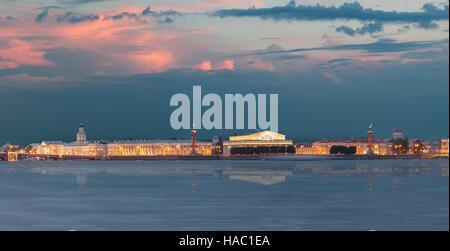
(262, 150)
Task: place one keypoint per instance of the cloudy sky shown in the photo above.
(114, 64)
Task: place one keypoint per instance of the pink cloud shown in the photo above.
(227, 64)
(372, 58)
(7, 64)
(204, 66)
(18, 52)
(150, 61)
(125, 46)
(207, 66)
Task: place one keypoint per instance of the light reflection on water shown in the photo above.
(225, 195)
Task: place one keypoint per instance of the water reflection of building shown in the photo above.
(81, 180)
(263, 177)
(263, 172)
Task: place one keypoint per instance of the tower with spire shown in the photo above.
(81, 135)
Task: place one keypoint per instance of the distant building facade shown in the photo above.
(259, 139)
(82, 147)
(157, 148)
(397, 133)
(322, 147)
(91, 149)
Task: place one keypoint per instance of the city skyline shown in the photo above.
(82, 138)
(113, 65)
(207, 137)
(262, 143)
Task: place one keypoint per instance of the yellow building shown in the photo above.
(82, 147)
(259, 139)
(323, 147)
(122, 148)
(49, 147)
(304, 149)
(89, 149)
(60, 149)
(157, 148)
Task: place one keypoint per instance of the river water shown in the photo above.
(225, 195)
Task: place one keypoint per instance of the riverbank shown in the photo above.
(234, 157)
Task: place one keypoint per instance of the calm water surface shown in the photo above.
(225, 195)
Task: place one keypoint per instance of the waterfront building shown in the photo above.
(9, 148)
(81, 147)
(97, 149)
(91, 149)
(81, 136)
(57, 148)
(264, 139)
(397, 133)
(157, 148)
(322, 147)
(48, 148)
(304, 149)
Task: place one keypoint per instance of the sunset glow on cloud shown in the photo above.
(137, 38)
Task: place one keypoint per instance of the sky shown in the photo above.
(337, 66)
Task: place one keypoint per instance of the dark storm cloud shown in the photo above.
(6, 19)
(367, 28)
(382, 45)
(148, 12)
(164, 16)
(289, 57)
(427, 25)
(70, 17)
(346, 11)
(335, 63)
(43, 15)
(166, 20)
(123, 15)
